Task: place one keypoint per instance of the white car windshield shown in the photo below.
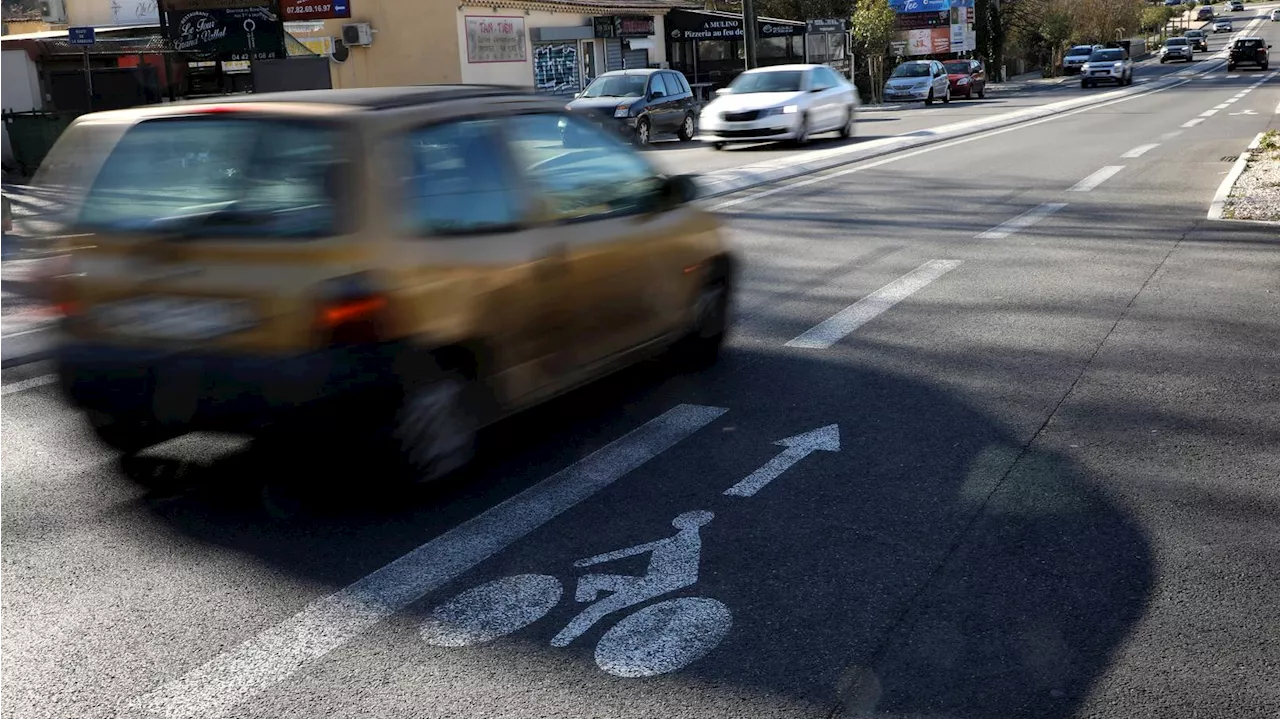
(911, 69)
(1107, 56)
(775, 81)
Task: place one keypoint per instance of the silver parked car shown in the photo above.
(1110, 64)
(917, 80)
(1177, 48)
(1076, 57)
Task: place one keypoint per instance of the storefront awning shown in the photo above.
(694, 25)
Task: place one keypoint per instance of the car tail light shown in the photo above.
(352, 311)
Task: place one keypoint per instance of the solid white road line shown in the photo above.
(215, 688)
(824, 176)
(1096, 178)
(1140, 150)
(1021, 222)
(1219, 203)
(26, 384)
(1193, 123)
(842, 323)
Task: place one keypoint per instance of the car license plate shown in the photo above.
(175, 318)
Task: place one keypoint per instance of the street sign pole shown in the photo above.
(84, 37)
(88, 77)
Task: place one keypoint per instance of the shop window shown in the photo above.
(772, 47)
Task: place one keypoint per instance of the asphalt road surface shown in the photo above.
(1029, 409)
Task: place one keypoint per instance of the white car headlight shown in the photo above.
(962, 81)
(622, 111)
(784, 110)
(1118, 66)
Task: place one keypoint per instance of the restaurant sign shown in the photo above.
(292, 10)
(496, 39)
(682, 25)
(228, 33)
(610, 26)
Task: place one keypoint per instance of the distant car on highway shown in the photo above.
(640, 104)
(254, 271)
(1077, 56)
(1222, 25)
(1199, 41)
(1176, 48)
(1236, 6)
(917, 80)
(1275, 15)
(1205, 13)
(1108, 65)
(781, 102)
(1248, 51)
(966, 78)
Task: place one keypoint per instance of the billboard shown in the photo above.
(932, 27)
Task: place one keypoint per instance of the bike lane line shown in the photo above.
(217, 687)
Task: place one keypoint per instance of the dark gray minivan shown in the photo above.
(640, 104)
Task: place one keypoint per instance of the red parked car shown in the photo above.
(967, 78)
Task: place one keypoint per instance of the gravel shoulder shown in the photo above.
(1256, 194)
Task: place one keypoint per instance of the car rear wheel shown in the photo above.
(847, 130)
(802, 131)
(686, 129)
(433, 429)
(128, 435)
(946, 99)
(929, 100)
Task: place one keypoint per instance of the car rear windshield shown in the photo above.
(218, 175)
(617, 86)
(1248, 44)
(957, 68)
(1176, 41)
(1193, 33)
(1107, 56)
(1081, 50)
(770, 81)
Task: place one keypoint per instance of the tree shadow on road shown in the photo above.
(937, 565)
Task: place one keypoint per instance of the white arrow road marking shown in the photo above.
(1140, 150)
(1021, 222)
(838, 326)
(214, 689)
(826, 439)
(1096, 178)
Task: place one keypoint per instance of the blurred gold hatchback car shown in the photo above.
(409, 264)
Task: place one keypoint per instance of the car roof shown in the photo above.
(792, 67)
(633, 71)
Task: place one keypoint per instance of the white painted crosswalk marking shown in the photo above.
(215, 689)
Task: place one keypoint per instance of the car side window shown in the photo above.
(684, 82)
(818, 81)
(657, 85)
(459, 181)
(582, 171)
(673, 83)
(829, 78)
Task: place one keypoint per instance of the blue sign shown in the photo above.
(341, 8)
(80, 35)
(911, 6)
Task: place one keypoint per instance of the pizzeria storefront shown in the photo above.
(707, 45)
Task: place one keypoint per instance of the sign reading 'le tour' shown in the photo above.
(225, 30)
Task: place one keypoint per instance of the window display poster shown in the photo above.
(496, 39)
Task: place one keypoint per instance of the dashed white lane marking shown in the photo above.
(1021, 222)
(1230, 100)
(1233, 77)
(1170, 135)
(216, 688)
(1097, 178)
(1222, 106)
(838, 326)
(1140, 150)
(1208, 113)
(29, 383)
(1193, 123)
(1278, 109)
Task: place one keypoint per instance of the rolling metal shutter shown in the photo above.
(612, 54)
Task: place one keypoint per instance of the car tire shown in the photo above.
(643, 130)
(433, 427)
(128, 435)
(929, 100)
(700, 347)
(946, 99)
(847, 129)
(1230, 67)
(1161, 61)
(802, 132)
(717, 145)
(1084, 85)
(686, 131)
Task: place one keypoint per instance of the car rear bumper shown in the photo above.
(215, 391)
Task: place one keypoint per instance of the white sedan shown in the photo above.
(783, 102)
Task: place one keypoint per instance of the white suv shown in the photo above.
(1110, 64)
(1076, 57)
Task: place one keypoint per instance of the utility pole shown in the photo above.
(749, 33)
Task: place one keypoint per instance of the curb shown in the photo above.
(723, 182)
(1219, 204)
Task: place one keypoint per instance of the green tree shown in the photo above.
(873, 31)
(803, 9)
